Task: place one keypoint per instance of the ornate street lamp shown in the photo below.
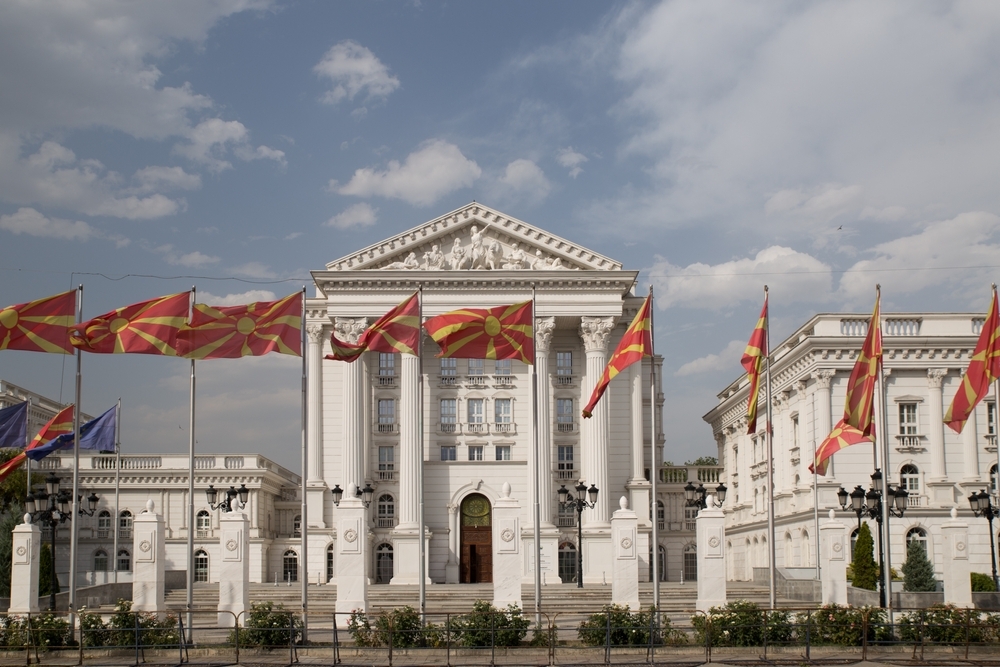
(982, 505)
(584, 498)
(698, 496)
(366, 494)
(235, 499)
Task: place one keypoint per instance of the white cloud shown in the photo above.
(256, 270)
(292, 236)
(821, 205)
(572, 160)
(794, 275)
(432, 171)
(884, 214)
(354, 217)
(250, 296)
(354, 69)
(194, 259)
(31, 222)
(161, 178)
(210, 141)
(523, 180)
(728, 359)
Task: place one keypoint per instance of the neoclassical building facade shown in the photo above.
(925, 355)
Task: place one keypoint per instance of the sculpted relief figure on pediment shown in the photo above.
(481, 254)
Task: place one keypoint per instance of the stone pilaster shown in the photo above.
(955, 565)
(409, 442)
(595, 332)
(148, 561)
(824, 418)
(506, 550)
(234, 568)
(25, 549)
(315, 485)
(625, 543)
(711, 540)
(833, 561)
(451, 568)
(352, 469)
(352, 554)
(544, 326)
(935, 434)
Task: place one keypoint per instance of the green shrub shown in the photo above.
(489, 626)
(918, 572)
(41, 630)
(267, 625)
(742, 623)
(864, 570)
(627, 628)
(127, 627)
(93, 629)
(842, 626)
(402, 626)
(943, 624)
(982, 583)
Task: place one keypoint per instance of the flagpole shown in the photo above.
(118, 469)
(996, 422)
(304, 533)
(27, 441)
(883, 425)
(769, 434)
(537, 533)
(654, 467)
(190, 513)
(422, 566)
(75, 518)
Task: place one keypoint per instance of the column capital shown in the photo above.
(935, 376)
(595, 332)
(544, 326)
(315, 333)
(823, 377)
(349, 329)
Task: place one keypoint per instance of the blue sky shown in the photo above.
(819, 147)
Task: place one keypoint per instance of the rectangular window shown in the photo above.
(795, 431)
(502, 367)
(386, 363)
(991, 418)
(449, 366)
(475, 406)
(503, 452)
(565, 469)
(475, 452)
(386, 463)
(502, 410)
(449, 410)
(907, 418)
(564, 363)
(477, 367)
(447, 452)
(564, 411)
(386, 411)
(567, 516)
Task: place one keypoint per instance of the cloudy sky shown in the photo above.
(819, 147)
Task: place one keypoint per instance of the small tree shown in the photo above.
(47, 585)
(864, 568)
(918, 572)
(703, 461)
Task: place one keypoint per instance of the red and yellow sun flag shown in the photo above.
(634, 345)
(61, 424)
(984, 368)
(149, 327)
(39, 326)
(396, 331)
(859, 404)
(753, 361)
(504, 332)
(843, 435)
(252, 330)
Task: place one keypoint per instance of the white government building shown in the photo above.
(925, 355)
(472, 420)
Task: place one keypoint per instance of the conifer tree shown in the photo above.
(918, 572)
(865, 570)
(45, 581)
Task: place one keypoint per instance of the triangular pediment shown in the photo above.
(498, 242)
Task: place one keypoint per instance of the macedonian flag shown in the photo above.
(753, 361)
(149, 327)
(859, 405)
(634, 345)
(984, 368)
(253, 330)
(843, 435)
(396, 331)
(39, 326)
(59, 425)
(504, 332)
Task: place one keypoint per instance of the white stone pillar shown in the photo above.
(234, 568)
(824, 417)
(544, 326)
(506, 550)
(451, 568)
(955, 564)
(935, 434)
(409, 442)
(970, 451)
(624, 541)
(711, 539)
(25, 549)
(148, 560)
(833, 561)
(595, 332)
(352, 581)
(354, 426)
(314, 391)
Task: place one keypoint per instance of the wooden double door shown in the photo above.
(476, 557)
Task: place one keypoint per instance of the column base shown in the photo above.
(406, 556)
(598, 558)
(639, 491)
(315, 497)
(942, 493)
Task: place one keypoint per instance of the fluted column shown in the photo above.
(636, 381)
(970, 450)
(314, 391)
(935, 435)
(544, 326)
(451, 567)
(409, 442)
(824, 420)
(595, 332)
(354, 382)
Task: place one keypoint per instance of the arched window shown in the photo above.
(200, 565)
(290, 566)
(203, 523)
(756, 500)
(909, 478)
(104, 527)
(331, 563)
(918, 535)
(806, 550)
(297, 526)
(690, 562)
(383, 564)
(567, 562)
(993, 479)
(789, 550)
(386, 511)
(660, 515)
(662, 564)
(124, 525)
(101, 558)
(124, 560)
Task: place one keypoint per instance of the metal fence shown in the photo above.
(489, 637)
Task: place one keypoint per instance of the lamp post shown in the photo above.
(869, 503)
(698, 496)
(584, 498)
(229, 502)
(51, 507)
(366, 494)
(982, 505)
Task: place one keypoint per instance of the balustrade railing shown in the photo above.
(475, 428)
(565, 427)
(504, 428)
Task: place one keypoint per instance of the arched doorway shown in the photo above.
(476, 560)
(567, 563)
(383, 564)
